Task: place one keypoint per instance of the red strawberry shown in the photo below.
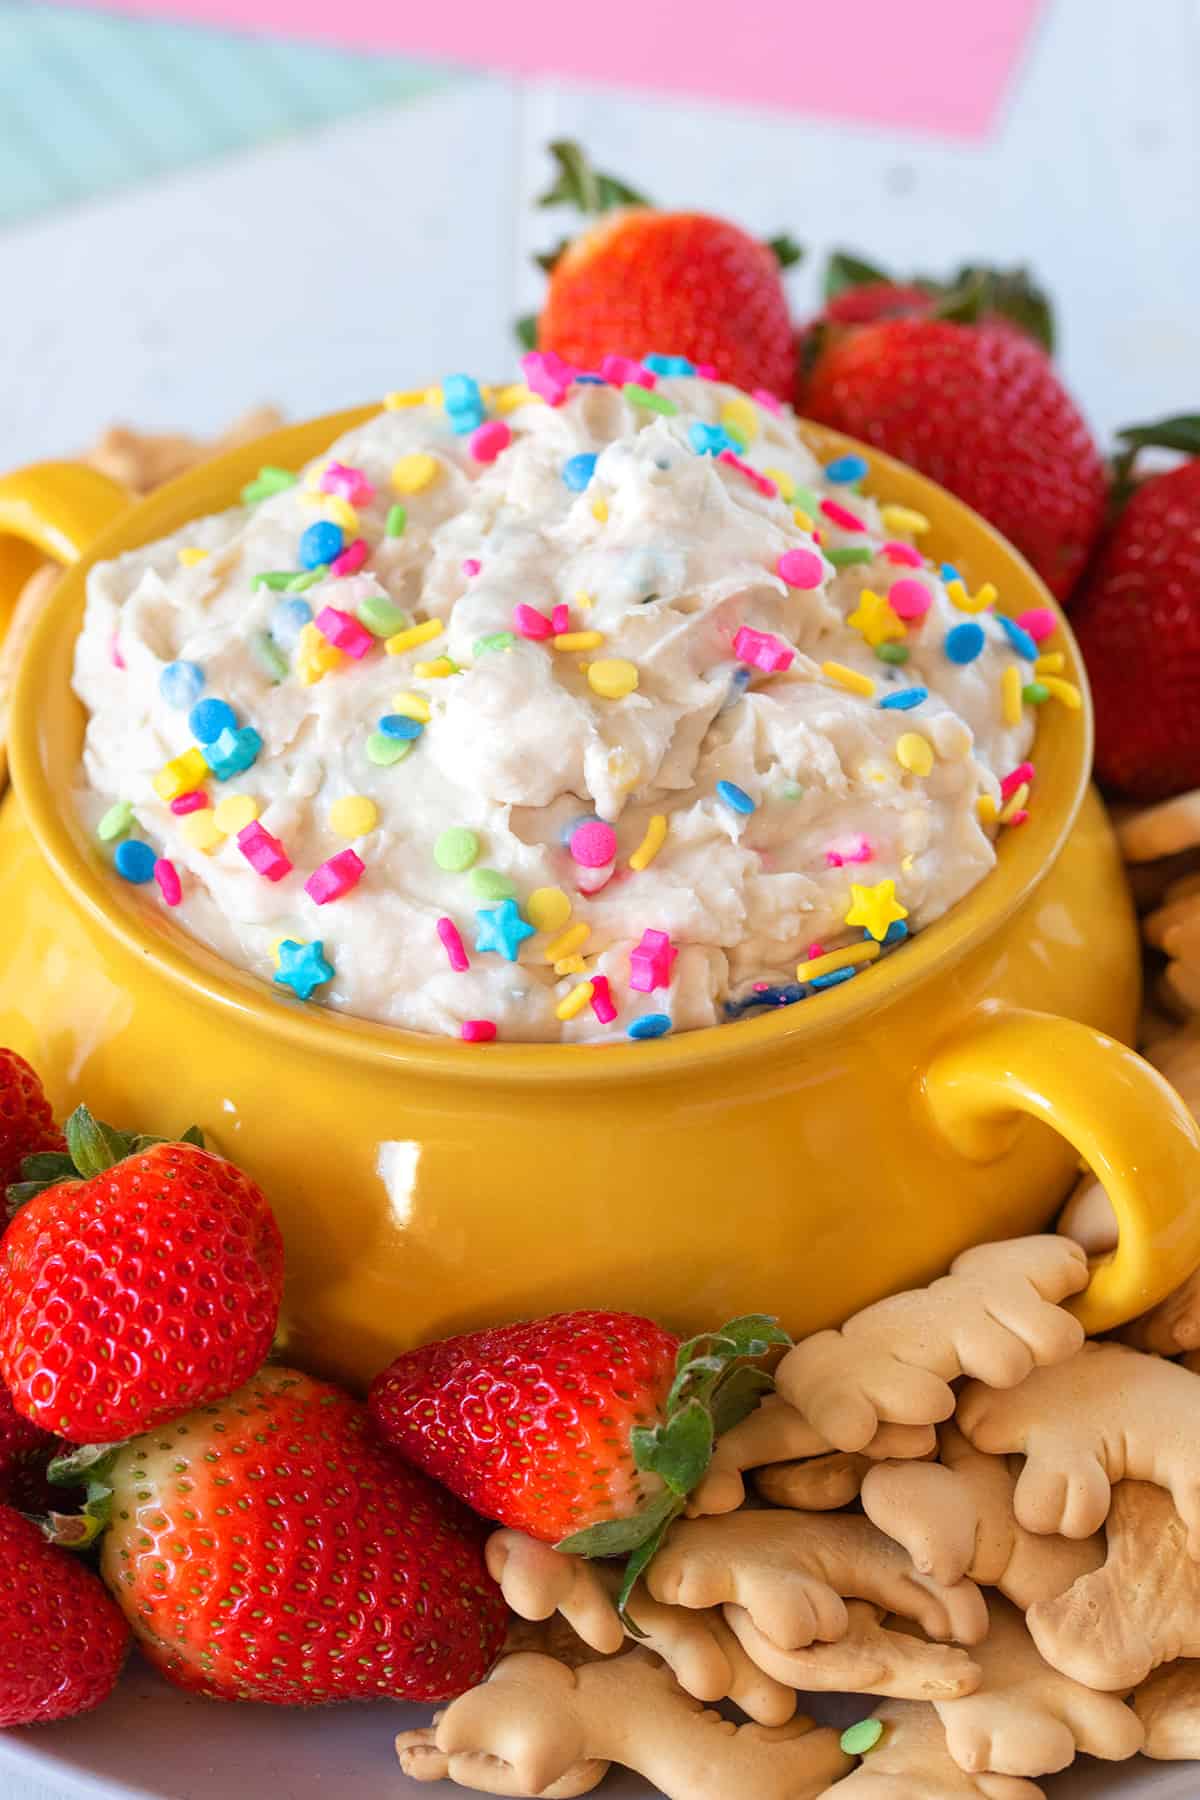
(1138, 623)
(62, 1641)
(683, 283)
(148, 1286)
(26, 1121)
(268, 1548)
(25, 1452)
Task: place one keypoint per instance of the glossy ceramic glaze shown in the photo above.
(803, 1163)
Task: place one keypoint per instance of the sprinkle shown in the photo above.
(303, 967)
(503, 930)
(850, 850)
(577, 471)
(985, 806)
(548, 375)
(209, 718)
(650, 962)
(909, 599)
(602, 1001)
(600, 511)
(800, 568)
(400, 725)
(761, 483)
(575, 1001)
(530, 622)
(578, 640)
(1021, 776)
(791, 790)
(477, 1031)
(199, 832)
(904, 519)
(169, 884)
(763, 650)
(401, 399)
(963, 643)
(1034, 693)
(875, 619)
(548, 909)
(1066, 691)
(181, 683)
(844, 558)
(904, 700)
(452, 942)
(841, 516)
(495, 640)
(508, 399)
(413, 473)
(115, 821)
(114, 651)
(437, 670)
(413, 706)
(640, 396)
(1040, 622)
(560, 618)
(455, 849)
(860, 1739)
(570, 965)
(463, 403)
(490, 884)
(593, 844)
(625, 371)
(381, 616)
(414, 636)
(971, 603)
(892, 653)
(612, 677)
(949, 573)
(1010, 695)
(334, 878)
(739, 416)
(354, 815)
(1053, 662)
(734, 797)
(848, 678)
(708, 440)
(348, 483)
(651, 844)
(268, 481)
(574, 938)
(914, 753)
(233, 752)
(234, 811)
(853, 956)
(1015, 805)
(274, 579)
(875, 907)
(180, 774)
(784, 482)
(269, 657)
(904, 554)
(658, 364)
(351, 560)
(488, 440)
(397, 519)
(320, 543)
(650, 1025)
(343, 630)
(1018, 637)
(316, 657)
(299, 584)
(766, 398)
(265, 854)
(134, 862)
(847, 468)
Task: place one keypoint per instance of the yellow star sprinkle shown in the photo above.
(875, 619)
(875, 908)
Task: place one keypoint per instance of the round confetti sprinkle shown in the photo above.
(353, 815)
(384, 751)
(181, 684)
(858, 1740)
(578, 471)
(548, 909)
(235, 812)
(593, 845)
(1040, 622)
(288, 620)
(909, 599)
(478, 1031)
(964, 642)
(209, 718)
(892, 653)
(734, 797)
(847, 468)
(116, 820)
(489, 439)
(490, 884)
(321, 543)
(399, 725)
(650, 1025)
(800, 568)
(495, 640)
(135, 861)
(413, 706)
(1021, 640)
(1034, 693)
(414, 472)
(456, 849)
(381, 616)
(914, 753)
(612, 677)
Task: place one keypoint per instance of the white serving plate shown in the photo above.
(152, 1742)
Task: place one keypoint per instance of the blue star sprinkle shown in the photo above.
(303, 967)
(501, 928)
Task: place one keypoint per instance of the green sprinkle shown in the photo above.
(380, 614)
(892, 653)
(791, 790)
(495, 640)
(386, 750)
(489, 884)
(307, 578)
(842, 559)
(115, 822)
(739, 438)
(858, 1739)
(648, 399)
(268, 481)
(397, 519)
(456, 849)
(275, 579)
(807, 501)
(1033, 693)
(269, 656)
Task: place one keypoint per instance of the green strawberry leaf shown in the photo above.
(94, 1146)
(755, 1334)
(47, 1165)
(84, 1463)
(738, 1397)
(75, 1531)
(786, 251)
(548, 260)
(579, 185)
(679, 1451)
(845, 270)
(641, 1559)
(620, 1537)
(525, 331)
(1180, 432)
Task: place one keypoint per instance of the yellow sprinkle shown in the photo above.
(575, 1001)
(353, 816)
(574, 938)
(1052, 663)
(915, 753)
(1010, 695)
(906, 862)
(401, 398)
(190, 555)
(985, 806)
(414, 636)
(437, 670)
(1016, 801)
(903, 519)
(507, 399)
(181, 775)
(313, 476)
(570, 965)
(199, 829)
(848, 678)
(803, 520)
(276, 947)
(851, 957)
(415, 472)
(235, 812)
(612, 677)
(316, 657)
(412, 706)
(578, 640)
(339, 510)
(600, 510)
(783, 481)
(548, 909)
(971, 603)
(875, 619)
(624, 769)
(740, 416)
(1066, 691)
(584, 601)
(651, 844)
(875, 907)
(435, 397)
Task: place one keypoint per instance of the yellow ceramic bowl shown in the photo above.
(803, 1163)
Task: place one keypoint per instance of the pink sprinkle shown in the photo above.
(904, 554)
(1015, 779)
(650, 962)
(351, 560)
(909, 599)
(849, 850)
(1018, 818)
(593, 844)
(335, 877)
(602, 1004)
(766, 398)
(763, 649)
(706, 371)
(115, 652)
(560, 618)
(265, 854)
(451, 938)
(760, 987)
(548, 375)
(471, 566)
(344, 631)
(800, 568)
(167, 877)
(840, 515)
(619, 369)
(763, 483)
(351, 484)
(489, 439)
(1039, 622)
(530, 622)
(477, 1031)
(815, 950)
(195, 800)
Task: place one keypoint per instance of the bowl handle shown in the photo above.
(55, 508)
(1122, 1115)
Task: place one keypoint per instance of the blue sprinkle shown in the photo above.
(233, 752)
(950, 573)
(288, 619)
(709, 440)
(181, 683)
(578, 471)
(302, 967)
(590, 381)
(668, 365)
(847, 468)
(768, 996)
(734, 797)
(739, 681)
(964, 642)
(650, 1025)
(833, 979)
(501, 928)
(1018, 637)
(395, 725)
(905, 700)
(321, 543)
(463, 402)
(135, 861)
(896, 932)
(209, 718)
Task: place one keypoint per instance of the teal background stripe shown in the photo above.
(91, 102)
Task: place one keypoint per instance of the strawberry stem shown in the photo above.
(92, 1148)
(579, 185)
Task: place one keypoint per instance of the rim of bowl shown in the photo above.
(1063, 749)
